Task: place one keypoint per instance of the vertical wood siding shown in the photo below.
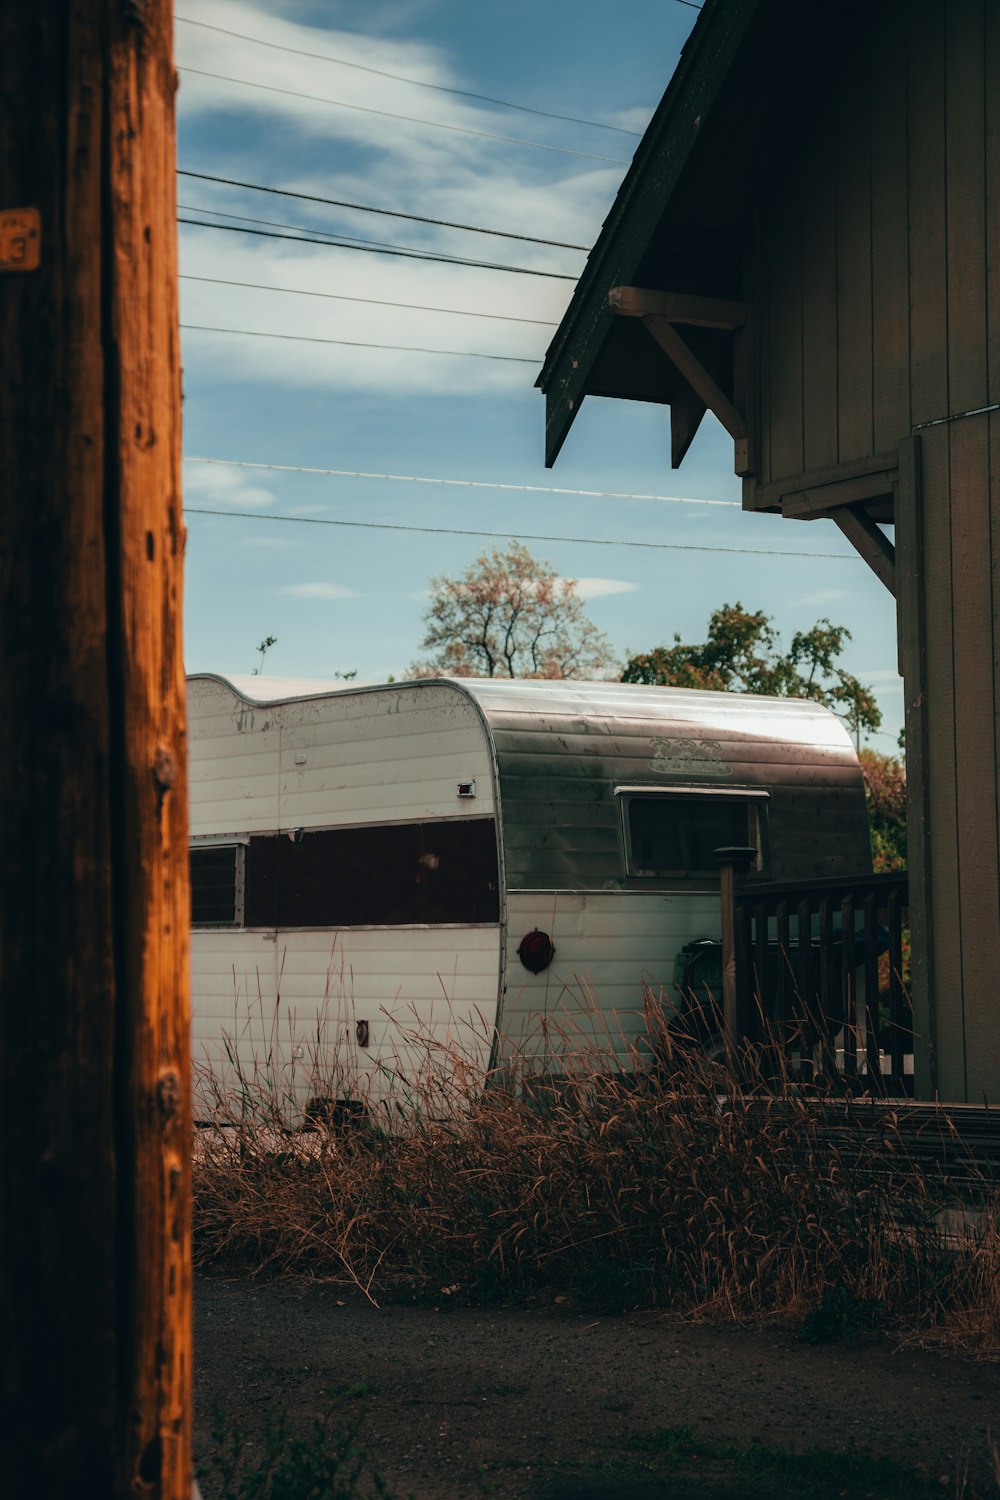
(819, 308)
(881, 266)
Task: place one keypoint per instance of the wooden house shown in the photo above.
(808, 245)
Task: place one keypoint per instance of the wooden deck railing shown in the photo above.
(814, 962)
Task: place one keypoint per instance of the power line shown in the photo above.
(304, 338)
(586, 541)
(365, 109)
(458, 312)
(372, 249)
(391, 213)
(440, 88)
(469, 484)
(334, 236)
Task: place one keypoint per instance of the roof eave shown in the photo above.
(660, 159)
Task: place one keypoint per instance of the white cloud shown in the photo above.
(269, 541)
(597, 588)
(635, 119)
(882, 674)
(346, 363)
(371, 160)
(220, 486)
(820, 597)
(319, 591)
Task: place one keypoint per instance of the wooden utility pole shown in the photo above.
(95, 1344)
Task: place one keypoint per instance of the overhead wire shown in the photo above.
(586, 541)
(367, 109)
(374, 248)
(421, 83)
(470, 484)
(305, 338)
(503, 234)
(335, 236)
(294, 291)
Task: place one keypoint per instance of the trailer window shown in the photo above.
(674, 836)
(386, 875)
(217, 885)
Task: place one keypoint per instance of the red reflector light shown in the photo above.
(536, 951)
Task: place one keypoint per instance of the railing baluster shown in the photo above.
(805, 981)
(763, 1000)
(895, 925)
(782, 962)
(872, 1046)
(827, 987)
(848, 994)
(744, 968)
(802, 988)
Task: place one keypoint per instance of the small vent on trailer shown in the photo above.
(466, 789)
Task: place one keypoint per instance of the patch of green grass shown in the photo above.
(839, 1316)
(358, 1390)
(765, 1471)
(484, 1484)
(325, 1465)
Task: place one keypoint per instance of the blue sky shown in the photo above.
(340, 598)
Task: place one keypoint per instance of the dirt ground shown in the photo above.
(533, 1401)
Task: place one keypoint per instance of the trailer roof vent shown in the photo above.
(466, 789)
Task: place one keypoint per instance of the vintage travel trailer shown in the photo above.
(479, 865)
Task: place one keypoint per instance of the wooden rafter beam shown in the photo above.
(679, 307)
(697, 376)
(870, 541)
(659, 312)
(686, 411)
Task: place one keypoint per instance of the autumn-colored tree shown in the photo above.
(510, 615)
(742, 655)
(885, 789)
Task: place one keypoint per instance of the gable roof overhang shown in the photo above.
(679, 222)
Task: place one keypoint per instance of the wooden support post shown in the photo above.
(95, 1108)
(659, 312)
(870, 541)
(733, 862)
(697, 376)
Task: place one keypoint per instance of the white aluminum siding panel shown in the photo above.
(608, 946)
(291, 1001)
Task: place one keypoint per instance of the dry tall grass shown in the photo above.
(687, 1186)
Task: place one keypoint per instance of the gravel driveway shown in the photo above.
(531, 1401)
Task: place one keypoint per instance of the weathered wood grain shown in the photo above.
(854, 261)
(912, 642)
(817, 205)
(926, 199)
(890, 250)
(784, 370)
(965, 203)
(975, 754)
(94, 1093)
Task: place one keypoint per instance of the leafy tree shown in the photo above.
(510, 615)
(742, 655)
(885, 788)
